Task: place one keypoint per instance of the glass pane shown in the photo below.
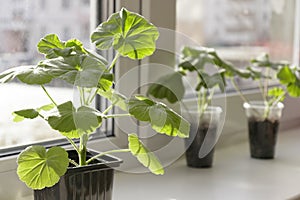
(239, 29)
(22, 24)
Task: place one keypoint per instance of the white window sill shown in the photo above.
(234, 176)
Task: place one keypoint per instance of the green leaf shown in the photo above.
(294, 89)
(162, 119)
(255, 74)
(9, 74)
(276, 93)
(263, 60)
(115, 98)
(27, 113)
(70, 121)
(106, 81)
(17, 118)
(194, 59)
(210, 81)
(50, 45)
(169, 86)
(27, 74)
(40, 169)
(144, 156)
(128, 33)
(46, 107)
(76, 45)
(286, 75)
(96, 56)
(80, 70)
(35, 75)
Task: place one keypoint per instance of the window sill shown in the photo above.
(234, 176)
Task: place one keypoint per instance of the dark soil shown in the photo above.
(194, 144)
(262, 136)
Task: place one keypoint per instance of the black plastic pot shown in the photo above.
(262, 137)
(91, 182)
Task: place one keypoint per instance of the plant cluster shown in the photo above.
(130, 35)
(260, 69)
(192, 60)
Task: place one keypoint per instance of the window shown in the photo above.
(22, 24)
(240, 29)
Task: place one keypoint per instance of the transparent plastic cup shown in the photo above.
(263, 124)
(203, 137)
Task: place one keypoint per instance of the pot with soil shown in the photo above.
(203, 137)
(263, 124)
(94, 181)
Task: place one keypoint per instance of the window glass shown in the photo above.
(22, 24)
(239, 29)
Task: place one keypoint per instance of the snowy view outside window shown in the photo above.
(22, 24)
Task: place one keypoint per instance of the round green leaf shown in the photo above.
(50, 45)
(294, 89)
(35, 75)
(39, 168)
(169, 86)
(286, 75)
(162, 119)
(276, 93)
(27, 74)
(144, 156)
(129, 33)
(70, 121)
(80, 70)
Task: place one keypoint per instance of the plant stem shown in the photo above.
(73, 162)
(73, 144)
(107, 109)
(117, 115)
(92, 97)
(266, 83)
(107, 152)
(113, 62)
(238, 90)
(210, 96)
(43, 87)
(202, 101)
(82, 149)
(81, 96)
(277, 100)
(262, 91)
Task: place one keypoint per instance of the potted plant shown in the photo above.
(263, 115)
(82, 173)
(204, 119)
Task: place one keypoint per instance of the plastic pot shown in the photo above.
(203, 136)
(93, 182)
(263, 124)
